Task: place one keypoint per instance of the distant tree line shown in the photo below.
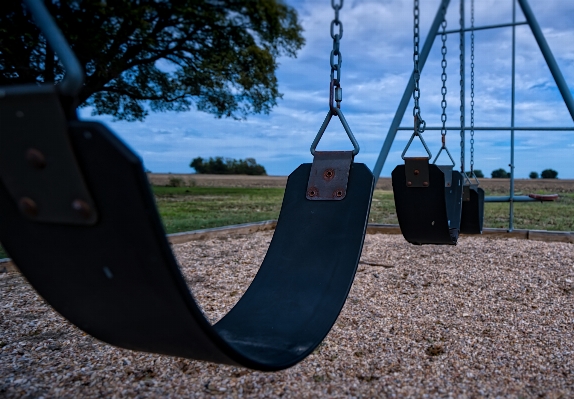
(227, 166)
(546, 174)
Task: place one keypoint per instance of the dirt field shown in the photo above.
(500, 186)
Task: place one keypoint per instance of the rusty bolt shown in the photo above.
(35, 158)
(339, 193)
(409, 183)
(312, 192)
(82, 208)
(28, 207)
(416, 172)
(328, 174)
(425, 183)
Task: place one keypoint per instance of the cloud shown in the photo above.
(377, 63)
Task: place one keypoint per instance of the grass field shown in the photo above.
(192, 208)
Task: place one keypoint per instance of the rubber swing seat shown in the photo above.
(117, 279)
(431, 214)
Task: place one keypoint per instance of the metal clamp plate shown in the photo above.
(447, 170)
(417, 171)
(37, 163)
(329, 175)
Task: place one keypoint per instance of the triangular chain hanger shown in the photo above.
(335, 90)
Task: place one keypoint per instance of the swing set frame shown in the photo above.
(550, 61)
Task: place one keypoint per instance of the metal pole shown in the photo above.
(502, 128)
(511, 197)
(462, 87)
(408, 93)
(448, 32)
(547, 53)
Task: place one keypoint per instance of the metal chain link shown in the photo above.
(462, 94)
(336, 64)
(420, 124)
(472, 87)
(443, 77)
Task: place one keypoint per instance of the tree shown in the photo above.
(499, 173)
(549, 174)
(220, 56)
(227, 166)
(533, 175)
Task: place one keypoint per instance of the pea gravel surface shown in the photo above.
(487, 318)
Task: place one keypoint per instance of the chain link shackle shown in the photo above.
(472, 87)
(420, 124)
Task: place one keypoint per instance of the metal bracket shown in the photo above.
(37, 162)
(329, 175)
(447, 170)
(417, 171)
(465, 193)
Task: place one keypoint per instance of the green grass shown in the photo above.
(557, 216)
(193, 208)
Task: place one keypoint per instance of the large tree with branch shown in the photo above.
(141, 55)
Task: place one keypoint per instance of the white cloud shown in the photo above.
(377, 61)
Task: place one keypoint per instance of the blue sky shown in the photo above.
(377, 62)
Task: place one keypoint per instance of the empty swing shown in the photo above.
(80, 222)
(472, 216)
(428, 197)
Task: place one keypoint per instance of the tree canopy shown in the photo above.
(499, 173)
(227, 166)
(154, 55)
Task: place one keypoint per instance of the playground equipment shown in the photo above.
(552, 65)
(79, 221)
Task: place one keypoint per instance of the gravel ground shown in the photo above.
(487, 318)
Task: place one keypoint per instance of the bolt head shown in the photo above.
(35, 158)
(28, 207)
(81, 208)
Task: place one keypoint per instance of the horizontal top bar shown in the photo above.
(560, 128)
(485, 27)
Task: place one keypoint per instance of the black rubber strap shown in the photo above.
(118, 280)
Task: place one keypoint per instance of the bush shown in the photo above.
(549, 174)
(227, 166)
(175, 182)
(533, 175)
(477, 172)
(499, 173)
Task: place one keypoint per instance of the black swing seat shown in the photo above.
(108, 268)
(428, 205)
(472, 216)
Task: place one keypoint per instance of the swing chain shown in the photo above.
(443, 77)
(336, 92)
(443, 90)
(420, 124)
(462, 94)
(472, 87)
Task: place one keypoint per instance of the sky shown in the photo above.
(377, 47)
